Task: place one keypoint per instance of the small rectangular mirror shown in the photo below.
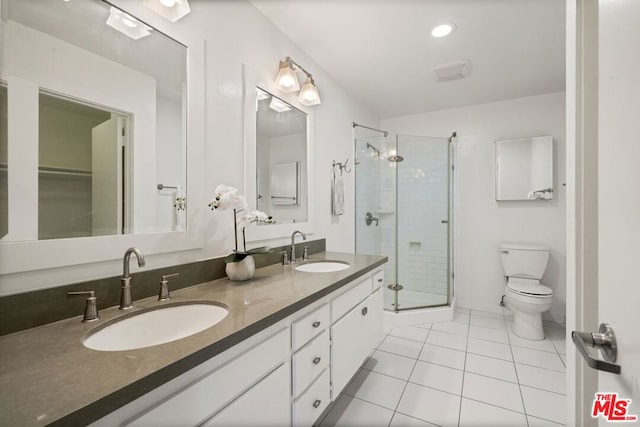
(524, 169)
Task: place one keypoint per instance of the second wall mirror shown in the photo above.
(281, 159)
(524, 169)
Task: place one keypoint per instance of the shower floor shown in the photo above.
(412, 299)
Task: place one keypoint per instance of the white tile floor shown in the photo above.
(472, 371)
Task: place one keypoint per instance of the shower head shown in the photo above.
(395, 158)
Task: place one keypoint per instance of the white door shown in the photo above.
(619, 202)
(619, 191)
(106, 182)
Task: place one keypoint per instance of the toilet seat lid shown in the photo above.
(528, 288)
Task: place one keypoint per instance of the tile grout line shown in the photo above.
(464, 372)
(332, 405)
(556, 347)
(515, 368)
(406, 384)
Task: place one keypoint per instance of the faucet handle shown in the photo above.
(163, 294)
(285, 258)
(305, 253)
(90, 308)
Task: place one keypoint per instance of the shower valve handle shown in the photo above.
(369, 219)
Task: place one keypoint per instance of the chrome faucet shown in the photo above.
(292, 258)
(125, 295)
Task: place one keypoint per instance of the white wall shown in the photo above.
(236, 33)
(481, 223)
(259, 45)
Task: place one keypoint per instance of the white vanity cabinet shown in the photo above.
(285, 375)
(238, 383)
(265, 404)
(354, 334)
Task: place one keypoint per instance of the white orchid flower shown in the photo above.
(228, 198)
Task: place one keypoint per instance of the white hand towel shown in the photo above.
(180, 204)
(337, 193)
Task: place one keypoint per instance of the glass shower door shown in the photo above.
(375, 220)
(403, 205)
(423, 220)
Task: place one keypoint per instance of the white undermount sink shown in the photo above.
(156, 326)
(323, 266)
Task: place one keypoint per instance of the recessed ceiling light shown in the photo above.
(443, 30)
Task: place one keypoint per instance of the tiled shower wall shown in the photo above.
(422, 205)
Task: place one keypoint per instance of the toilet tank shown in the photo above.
(527, 260)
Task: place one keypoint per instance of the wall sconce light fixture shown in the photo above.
(287, 82)
(169, 9)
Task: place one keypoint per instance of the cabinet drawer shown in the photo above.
(200, 400)
(265, 404)
(378, 280)
(345, 302)
(312, 403)
(302, 330)
(310, 361)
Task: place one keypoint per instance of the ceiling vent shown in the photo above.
(452, 71)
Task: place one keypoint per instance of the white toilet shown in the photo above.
(524, 265)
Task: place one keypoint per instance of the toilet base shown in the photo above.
(528, 325)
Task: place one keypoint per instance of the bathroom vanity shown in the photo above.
(291, 342)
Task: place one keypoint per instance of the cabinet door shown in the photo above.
(352, 339)
(373, 321)
(265, 404)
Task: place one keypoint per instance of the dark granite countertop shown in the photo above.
(47, 376)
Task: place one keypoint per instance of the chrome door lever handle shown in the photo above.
(605, 340)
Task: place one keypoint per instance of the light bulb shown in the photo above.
(442, 30)
(128, 21)
(287, 81)
(168, 3)
(309, 93)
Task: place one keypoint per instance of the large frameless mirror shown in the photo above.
(524, 169)
(97, 116)
(99, 104)
(281, 159)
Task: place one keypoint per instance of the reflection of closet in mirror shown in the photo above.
(281, 159)
(524, 169)
(80, 169)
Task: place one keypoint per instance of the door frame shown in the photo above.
(582, 199)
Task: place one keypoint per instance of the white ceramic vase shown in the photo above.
(241, 270)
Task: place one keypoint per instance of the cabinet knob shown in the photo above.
(379, 280)
(316, 360)
(316, 324)
(317, 403)
(365, 310)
